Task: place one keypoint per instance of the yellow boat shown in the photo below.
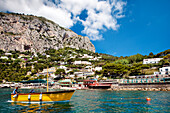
(44, 96)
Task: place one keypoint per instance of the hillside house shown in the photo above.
(98, 68)
(62, 63)
(48, 56)
(78, 74)
(65, 83)
(151, 60)
(8, 54)
(23, 56)
(87, 56)
(4, 57)
(50, 70)
(94, 59)
(62, 67)
(82, 62)
(164, 70)
(89, 68)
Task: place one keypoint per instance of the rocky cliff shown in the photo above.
(37, 34)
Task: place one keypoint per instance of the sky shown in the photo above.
(115, 27)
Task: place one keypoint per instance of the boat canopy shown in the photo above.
(65, 80)
(35, 81)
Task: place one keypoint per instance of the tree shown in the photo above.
(122, 61)
(70, 60)
(41, 77)
(60, 72)
(2, 52)
(115, 70)
(151, 54)
(135, 58)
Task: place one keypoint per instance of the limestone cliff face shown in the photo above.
(37, 34)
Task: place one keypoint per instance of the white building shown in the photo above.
(95, 58)
(52, 70)
(151, 60)
(23, 56)
(98, 68)
(8, 53)
(89, 68)
(88, 73)
(164, 70)
(82, 62)
(62, 67)
(4, 57)
(62, 63)
(78, 74)
(87, 56)
(47, 56)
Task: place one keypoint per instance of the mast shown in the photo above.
(47, 79)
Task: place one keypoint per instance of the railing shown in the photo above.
(145, 80)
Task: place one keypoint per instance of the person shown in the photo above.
(32, 91)
(15, 91)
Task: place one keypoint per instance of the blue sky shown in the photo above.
(115, 27)
(144, 29)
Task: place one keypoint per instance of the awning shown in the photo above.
(35, 81)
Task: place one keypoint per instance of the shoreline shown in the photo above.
(142, 87)
(117, 89)
(162, 86)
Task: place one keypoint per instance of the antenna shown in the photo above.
(47, 78)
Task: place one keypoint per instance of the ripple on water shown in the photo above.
(95, 101)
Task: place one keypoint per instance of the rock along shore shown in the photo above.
(142, 87)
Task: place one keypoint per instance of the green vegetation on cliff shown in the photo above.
(17, 68)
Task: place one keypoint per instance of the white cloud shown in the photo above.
(101, 15)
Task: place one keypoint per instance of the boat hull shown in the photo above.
(44, 96)
(99, 87)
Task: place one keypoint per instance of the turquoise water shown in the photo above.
(84, 101)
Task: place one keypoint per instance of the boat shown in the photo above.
(64, 95)
(97, 85)
(54, 96)
(94, 84)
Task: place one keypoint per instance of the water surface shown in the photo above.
(95, 101)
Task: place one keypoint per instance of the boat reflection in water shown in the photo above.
(42, 107)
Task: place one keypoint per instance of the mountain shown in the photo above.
(36, 34)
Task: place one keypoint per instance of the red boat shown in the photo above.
(97, 85)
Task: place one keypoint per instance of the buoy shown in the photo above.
(148, 99)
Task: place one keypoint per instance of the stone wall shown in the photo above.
(143, 86)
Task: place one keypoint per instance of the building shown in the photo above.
(89, 68)
(62, 67)
(94, 59)
(87, 56)
(82, 62)
(78, 74)
(98, 68)
(151, 60)
(8, 54)
(65, 83)
(62, 63)
(164, 70)
(47, 56)
(23, 56)
(52, 70)
(4, 57)
(88, 74)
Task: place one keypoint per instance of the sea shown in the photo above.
(93, 101)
